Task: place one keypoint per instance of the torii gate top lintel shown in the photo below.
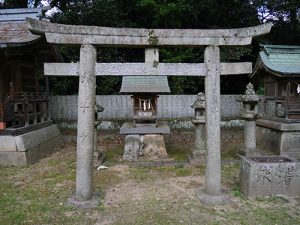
(140, 37)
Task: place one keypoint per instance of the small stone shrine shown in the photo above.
(249, 110)
(197, 157)
(279, 128)
(144, 136)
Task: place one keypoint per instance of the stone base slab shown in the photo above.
(281, 138)
(27, 149)
(211, 200)
(93, 203)
(128, 128)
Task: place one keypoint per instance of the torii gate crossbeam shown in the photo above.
(89, 37)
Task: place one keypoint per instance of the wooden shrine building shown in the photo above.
(279, 129)
(280, 67)
(24, 99)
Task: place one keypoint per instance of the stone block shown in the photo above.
(20, 151)
(34, 138)
(13, 158)
(197, 158)
(132, 147)
(279, 137)
(269, 175)
(128, 128)
(7, 144)
(153, 147)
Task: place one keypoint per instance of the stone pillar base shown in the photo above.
(93, 203)
(197, 158)
(211, 200)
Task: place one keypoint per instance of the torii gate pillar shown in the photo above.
(84, 196)
(212, 194)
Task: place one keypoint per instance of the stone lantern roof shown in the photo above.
(250, 95)
(200, 101)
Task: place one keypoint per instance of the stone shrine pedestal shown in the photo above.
(144, 141)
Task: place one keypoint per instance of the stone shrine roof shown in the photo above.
(145, 84)
(280, 60)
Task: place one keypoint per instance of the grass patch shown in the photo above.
(114, 154)
(153, 195)
(178, 152)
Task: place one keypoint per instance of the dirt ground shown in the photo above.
(133, 194)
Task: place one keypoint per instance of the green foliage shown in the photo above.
(9, 4)
(194, 14)
(63, 86)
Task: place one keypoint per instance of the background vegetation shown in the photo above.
(197, 14)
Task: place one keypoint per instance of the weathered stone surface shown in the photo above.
(250, 95)
(94, 202)
(47, 27)
(34, 138)
(42, 149)
(249, 111)
(250, 135)
(132, 147)
(198, 152)
(136, 69)
(153, 147)
(13, 158)
(213, 117)
(128, 128)
(268, 176)
(197, 157)
(68, 34)
(86, 122)
(212, 200)
(8, 144)
(281, 138)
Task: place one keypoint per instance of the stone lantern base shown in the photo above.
(197, 157)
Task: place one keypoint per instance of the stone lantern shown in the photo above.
(249, 112)
(98, 109)
(198, 152)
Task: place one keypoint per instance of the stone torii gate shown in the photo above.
(89, 37)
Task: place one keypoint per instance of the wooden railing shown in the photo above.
(290, 110)
(26, 108)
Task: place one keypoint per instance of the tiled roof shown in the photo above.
(280, 60)
(16, 34)
(145, 84)
(13, 27)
